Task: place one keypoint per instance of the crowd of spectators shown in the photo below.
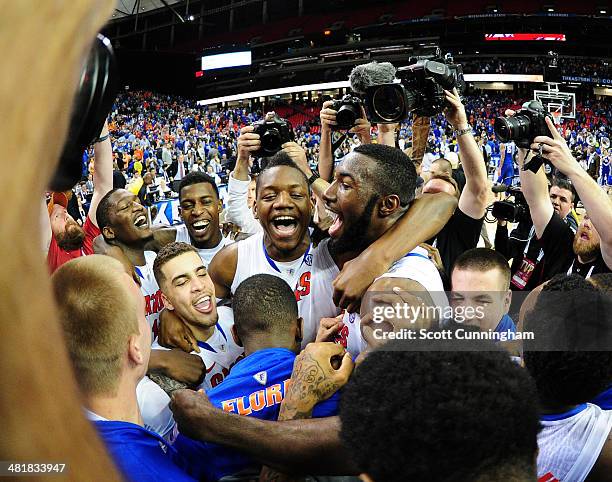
(531, 65)
(153, 135)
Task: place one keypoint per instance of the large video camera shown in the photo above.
(273, 133)
(348, 110)
(507, 210)
(524, 126)
(420, 91)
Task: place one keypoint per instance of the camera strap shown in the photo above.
(338, 143)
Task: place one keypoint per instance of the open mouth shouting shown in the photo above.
(285, 226)
(203, 304)
(141, 221)
(336, 227)
(200, 227)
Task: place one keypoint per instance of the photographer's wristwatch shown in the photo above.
(313, 178)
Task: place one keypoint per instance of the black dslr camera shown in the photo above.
(507, 210)
(524, 126)
(273, 133)
(421, 90)
(348, 110)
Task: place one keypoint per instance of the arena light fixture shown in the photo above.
(503, 78)
(279, 91)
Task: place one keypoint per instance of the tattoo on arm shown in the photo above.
(307, 387)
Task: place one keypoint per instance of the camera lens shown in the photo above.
(346, 117)
(388, 103)
(503, 128)
(512, 128)
(271, 141)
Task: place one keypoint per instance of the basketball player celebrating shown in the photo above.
(283, 249)
(570, 360)
(124, 226)
(373, 187)
(199, 207)
(188, 291)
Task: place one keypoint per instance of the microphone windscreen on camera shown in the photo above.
(373, 73)
(497, 188)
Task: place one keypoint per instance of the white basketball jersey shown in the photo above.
(300, 275)
(220, 352)
(569, 444)
(320, 303)
(151, 292)
(154, 407)
(416, 266)
(182, 236)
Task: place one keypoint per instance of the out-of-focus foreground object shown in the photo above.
(43, 45)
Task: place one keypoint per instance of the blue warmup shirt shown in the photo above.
(604, 400)
(505, 324)
(141, 454)
(255, 387)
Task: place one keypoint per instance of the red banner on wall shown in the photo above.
(559, 37)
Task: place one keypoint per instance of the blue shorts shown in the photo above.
(507, 173)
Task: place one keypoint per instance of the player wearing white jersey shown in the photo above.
(151, 292)
(416, 267)
(570, 443)
(188, 291)
(310, 277)
(576, 440)
(219, 352)
(124, 226)
(199, 209)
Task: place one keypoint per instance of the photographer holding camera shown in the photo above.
(520, 246)
(463, 229)
(330, 122)
(587, 252)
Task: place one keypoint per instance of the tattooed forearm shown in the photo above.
(313, 380)
(309, 385)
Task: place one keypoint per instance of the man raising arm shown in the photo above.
(582, 253)
(68, 239)
(598, 205)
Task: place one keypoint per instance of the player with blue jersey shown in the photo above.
(102, 314)
(268, 326)
(506, 163)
